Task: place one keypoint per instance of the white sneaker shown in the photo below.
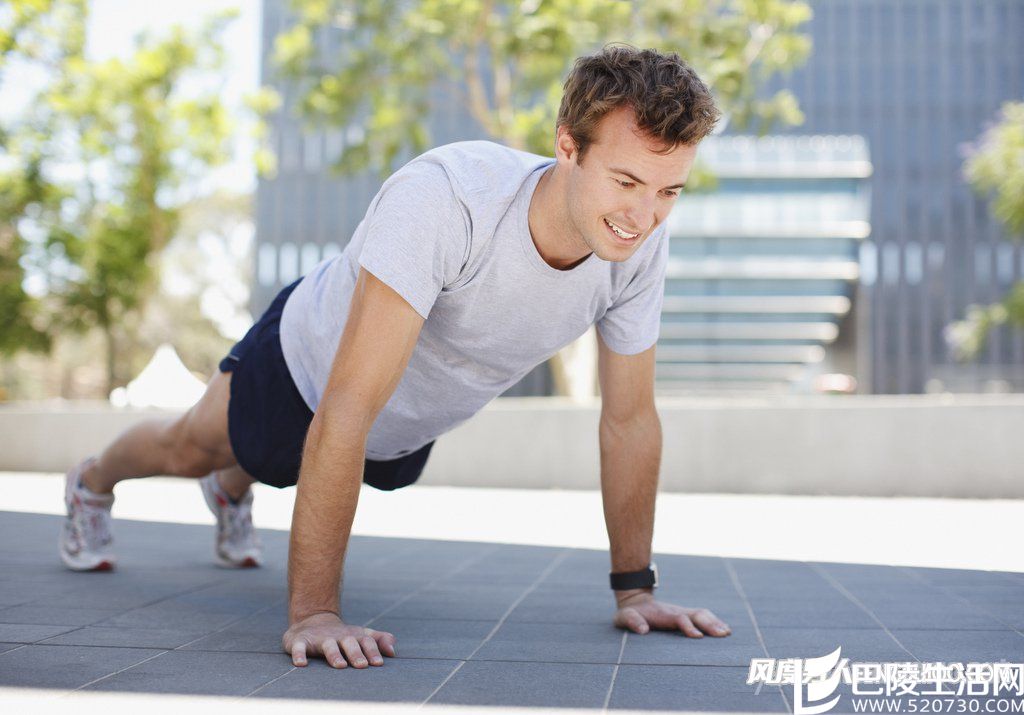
(85, 540)
(237, 543)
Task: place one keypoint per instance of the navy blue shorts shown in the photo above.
(268, 419)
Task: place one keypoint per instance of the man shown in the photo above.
(474, 263)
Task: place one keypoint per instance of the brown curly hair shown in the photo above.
(671, 103)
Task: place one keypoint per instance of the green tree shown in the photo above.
(995, 168)
(120, 146)
(505, 61)
(36, 37)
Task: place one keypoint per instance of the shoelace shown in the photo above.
(98, 531)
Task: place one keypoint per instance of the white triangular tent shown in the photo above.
(165, 382)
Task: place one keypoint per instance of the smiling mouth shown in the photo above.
(624, 235)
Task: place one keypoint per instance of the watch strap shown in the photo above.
(644, 578)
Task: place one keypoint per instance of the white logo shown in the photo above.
(814, 680)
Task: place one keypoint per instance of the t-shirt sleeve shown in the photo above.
(633, 322)
(417, 235)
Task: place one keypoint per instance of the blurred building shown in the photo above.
(919, 79)
(763, 275)
(915, 78)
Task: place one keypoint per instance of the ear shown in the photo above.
(565, 145)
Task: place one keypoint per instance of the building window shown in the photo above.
(288, 263)
(266, 265)
(913, 263)
(310, 257)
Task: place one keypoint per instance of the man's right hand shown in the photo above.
(323, 633)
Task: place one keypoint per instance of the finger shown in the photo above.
(370, 650)
(350, 646)
(710, 623)
(630, 618)
(385, 641)
(687, 627)
(331, 653)
(299, 654)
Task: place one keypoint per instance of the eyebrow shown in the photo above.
(642, 182)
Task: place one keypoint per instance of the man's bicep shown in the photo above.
(379, 337)
(627, 381)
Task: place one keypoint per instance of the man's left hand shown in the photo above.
(641, 612)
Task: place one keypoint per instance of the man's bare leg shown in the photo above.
(192, 445)
(235, 481)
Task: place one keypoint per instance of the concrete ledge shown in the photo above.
(962, 446)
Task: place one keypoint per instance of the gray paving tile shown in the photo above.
(526, 685)
(553, 643)
(546, 606)
(168, 616)
(111, 594)
(673, 648)
(253, 640)
(124, 637)
(860, 644)
(428, 638)
(168, 595)
(963, 645)
(199, 673)
(46, 666)
(683, 687)
(1009, 614)
(942, 614)
(834, 613)
(476, 602)
(30, 633)
(53, 615)
(359, 605)
(512, 564)
(400, 679)
(864, 572)
(949, 577)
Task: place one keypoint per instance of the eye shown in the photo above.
(625, 184)
(671, 194)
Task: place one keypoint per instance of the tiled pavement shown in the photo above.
(476, 623)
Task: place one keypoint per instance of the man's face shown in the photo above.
(623, 189)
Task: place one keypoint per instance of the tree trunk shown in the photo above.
(111, 342)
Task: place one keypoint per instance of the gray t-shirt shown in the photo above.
(449, 233)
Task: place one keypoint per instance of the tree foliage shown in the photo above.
(35, 36)
(995, 168)
(381, 63)
(104, 156)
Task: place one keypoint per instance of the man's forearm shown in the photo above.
(630, 463)
(325, 505)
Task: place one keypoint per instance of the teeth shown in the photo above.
(619, 232)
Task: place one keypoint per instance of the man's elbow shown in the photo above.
(623, 425)
(341, 421)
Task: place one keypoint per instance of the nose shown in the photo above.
(643, 213)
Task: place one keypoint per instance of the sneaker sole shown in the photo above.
(247, 563)
(77, 563)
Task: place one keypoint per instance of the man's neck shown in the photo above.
(549, 225)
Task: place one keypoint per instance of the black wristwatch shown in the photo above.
(645, 578)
